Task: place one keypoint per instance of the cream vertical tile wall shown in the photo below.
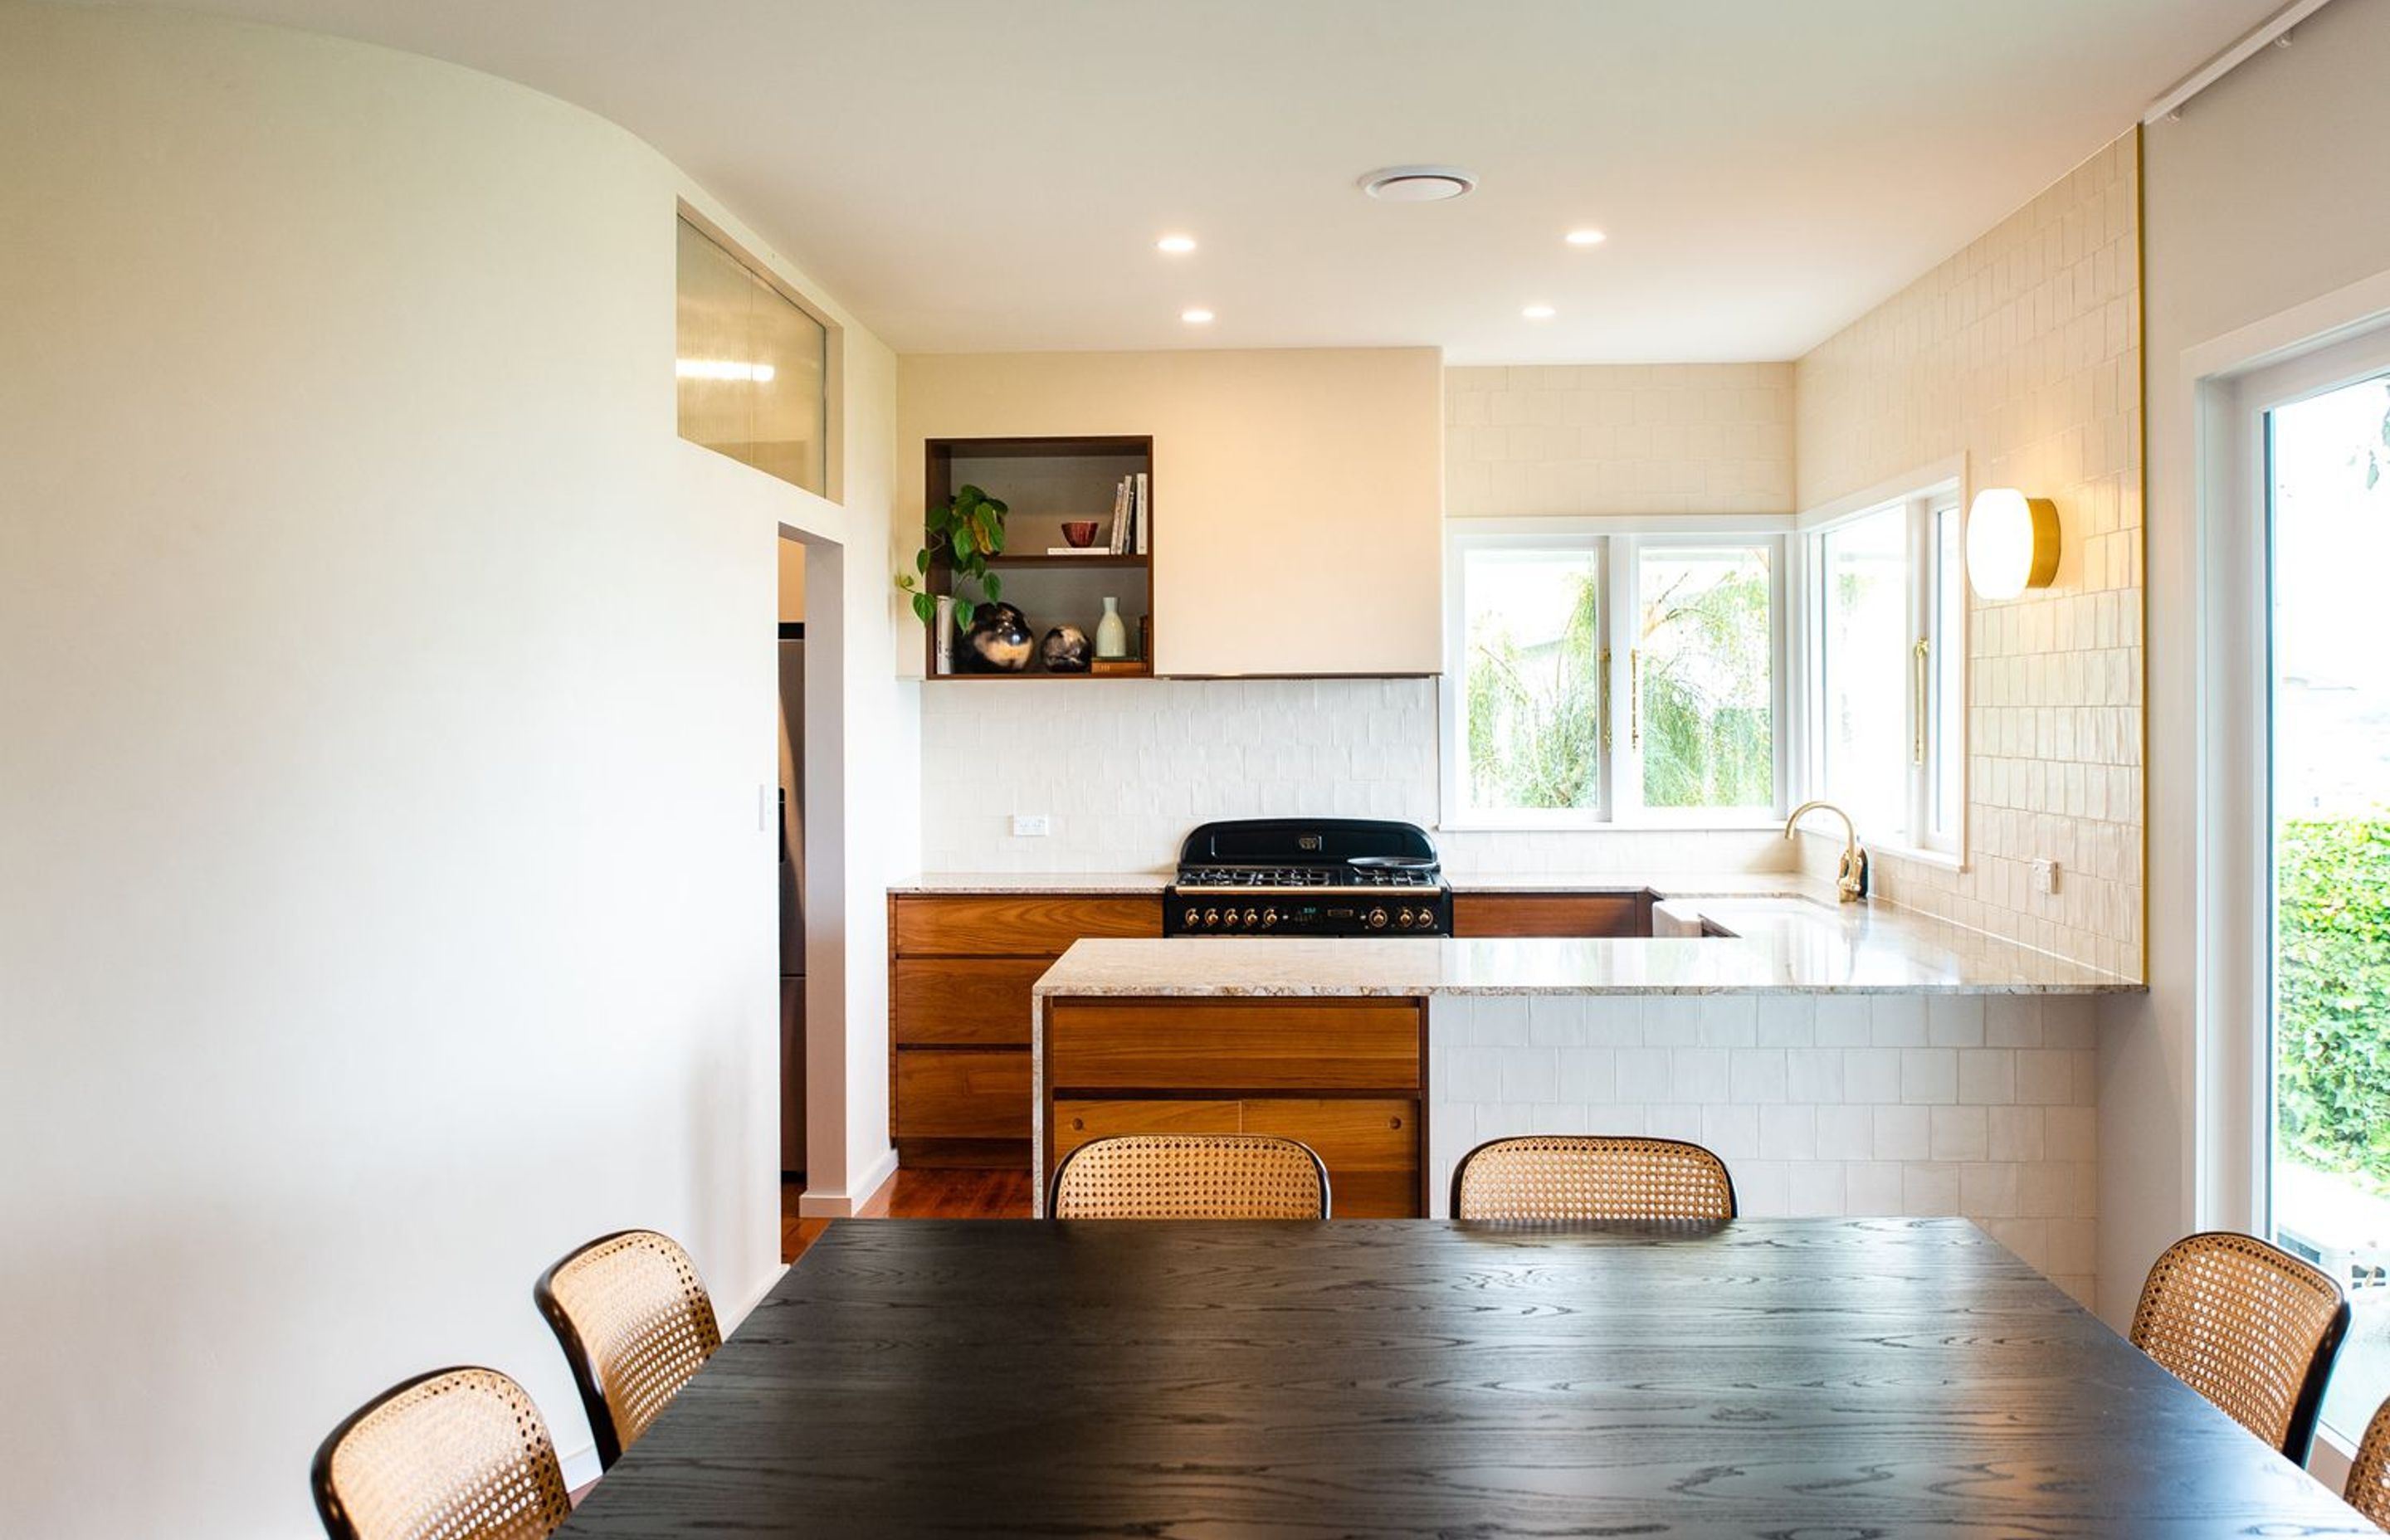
(1618, 439)
(1820, 1104)
(2024, 352)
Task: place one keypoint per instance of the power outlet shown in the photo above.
(1031, 825)
(2045, 877)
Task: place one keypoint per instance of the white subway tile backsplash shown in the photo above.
(1700, 1074)
(1929, 1074)
(1904, 1133)
(2022, 352)
(1871, 1074)
(1846, 1133)
(1126, 767)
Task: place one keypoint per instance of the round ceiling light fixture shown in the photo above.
(1418, 184)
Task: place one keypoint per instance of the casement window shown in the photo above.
(1600, 676)
(1885, 626)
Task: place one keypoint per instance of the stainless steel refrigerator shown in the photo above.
(792, 907)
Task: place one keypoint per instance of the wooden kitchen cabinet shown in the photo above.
(1554, 914)
(1344, 1077)
(960, 970)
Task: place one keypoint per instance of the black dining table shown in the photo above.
(1796, 1379)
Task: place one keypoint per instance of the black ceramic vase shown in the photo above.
(999, 640)
(1066, 650)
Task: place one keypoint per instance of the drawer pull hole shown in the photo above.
(1393, 1123)
(1077, 1124)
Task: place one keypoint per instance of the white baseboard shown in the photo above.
(580, 1465)
(845, 1205)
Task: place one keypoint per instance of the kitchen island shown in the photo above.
(1853, 1059)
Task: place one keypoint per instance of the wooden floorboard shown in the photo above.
(915, 1194)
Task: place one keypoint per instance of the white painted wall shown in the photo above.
(1298, 493)
(1632, 440)
(388, 695)
(2249, 209)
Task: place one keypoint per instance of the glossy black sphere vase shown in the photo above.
(1066, 650)
(999, 640)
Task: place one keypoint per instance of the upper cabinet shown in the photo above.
(1297, 495)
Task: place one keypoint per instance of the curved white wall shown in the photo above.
(387, 695)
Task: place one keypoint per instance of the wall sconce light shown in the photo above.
(2012, 543)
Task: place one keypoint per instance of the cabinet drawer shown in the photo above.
(1371, 1148)
(1255, 1044)
(1549, 915)
(962, 1093)
(982, 1000)
(1077, 1120)
(1370, 1145)
(1018, 925)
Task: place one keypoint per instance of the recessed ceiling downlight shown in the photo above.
(1418, 184)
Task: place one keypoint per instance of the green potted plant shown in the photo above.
(968, 528)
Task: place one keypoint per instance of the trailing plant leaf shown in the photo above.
(966, 530)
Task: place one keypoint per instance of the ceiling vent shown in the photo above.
(1418, 184)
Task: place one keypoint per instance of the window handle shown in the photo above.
(1922, 688)
(1635, 698)
(1605, 700)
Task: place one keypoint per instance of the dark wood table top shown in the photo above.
(1791, 1378)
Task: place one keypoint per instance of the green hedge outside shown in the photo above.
(2331, 1050)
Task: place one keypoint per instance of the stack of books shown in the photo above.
(1129, 511)
(1132, 504)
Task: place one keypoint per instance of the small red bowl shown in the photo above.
(1080, 531)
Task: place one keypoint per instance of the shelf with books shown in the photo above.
(1047, 485)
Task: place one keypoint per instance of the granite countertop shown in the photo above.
(1753, 884)
(1779, 947)
(1035, 883)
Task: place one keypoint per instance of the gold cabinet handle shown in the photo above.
(1635, 698)
(1922, 687)
(1605, 700)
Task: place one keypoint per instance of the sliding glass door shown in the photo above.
(2326, 477)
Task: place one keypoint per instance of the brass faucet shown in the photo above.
(1851, 876)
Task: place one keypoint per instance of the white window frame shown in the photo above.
(1615, 543)
(1925, 496)
(2225, 386)
(2240, 654)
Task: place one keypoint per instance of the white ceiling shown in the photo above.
(971, 174)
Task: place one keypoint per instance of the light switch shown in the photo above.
(1031, 825)
(2045, 877)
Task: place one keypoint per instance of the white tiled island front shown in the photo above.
(1853, 1061)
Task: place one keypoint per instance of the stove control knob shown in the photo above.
(1252, 918)
(1211, 918)
(1376, 920)
(1192, 917)
(1404, 920)
(1269, 917)
(1230, 918)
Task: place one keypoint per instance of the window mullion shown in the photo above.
(1623, 773)
(1921, 637)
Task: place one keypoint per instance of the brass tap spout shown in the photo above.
(1851, 876)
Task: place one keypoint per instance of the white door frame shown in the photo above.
(2232, 380)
